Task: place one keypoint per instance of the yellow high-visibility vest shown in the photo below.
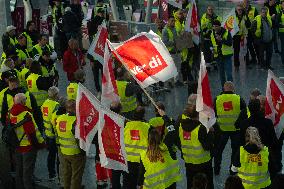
(135, 139)
(259, 23)
(228, 110)
(128, 103)
(47, 109)
(254, 169)
(20, 130)
(67, 142)
(160, 174)
(72, 91)
(226, 50)
(40, 95)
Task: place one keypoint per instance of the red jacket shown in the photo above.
(70, 63)
(29, 129)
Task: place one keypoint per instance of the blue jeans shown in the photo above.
(225, 69)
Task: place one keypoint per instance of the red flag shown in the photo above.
(274, 107)
(192, 24)
(87, 114)
(109, 88)
(98, 45)
(204, 103)
(111, 141)
(147, 58)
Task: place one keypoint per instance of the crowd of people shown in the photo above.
(34, 116)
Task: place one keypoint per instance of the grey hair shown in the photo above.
(20, 98)
(53, 93)
(252, 137)
(192, 99)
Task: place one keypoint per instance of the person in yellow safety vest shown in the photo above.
(22, 50)
(135, 139)
(127, 92)
(73, 158)
(273, 9)
(280, 23)
(48, 65)
(8, 40)
(169, 34)
(50, 106)
(179, 21)
(30, 141)
(267, 134)
(206, 24)
(252, 160)
(57, 11)
(31, 34)
(251, 13)
(37, 84)
(243, 23)
(245, 113)
(262, 30)
(221, 40)
(157, 168)
(72, 88)
(160, 25)
(41, 46)
(228, 106)
(7, 70)
(25, 72)
(195, 144)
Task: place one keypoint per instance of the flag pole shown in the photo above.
(124, 64)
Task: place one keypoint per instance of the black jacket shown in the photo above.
(6, 45)
(265, 128)
(71, 23)
(35, 109)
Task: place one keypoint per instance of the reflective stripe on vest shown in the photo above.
(160, 174)
(259, 23)
(40, 95)
(2, 97)
(251, 14)
(228, 110)
(128, 103)
(136, 139)
(254, 169)
(191, 147)
(72, 91)
(20, 130)
(47, 109)
(281, 24)
(67, 142)
(29, 42)
(171, 38)
(226, 50)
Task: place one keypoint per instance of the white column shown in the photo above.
(114, 10)
(149, 11)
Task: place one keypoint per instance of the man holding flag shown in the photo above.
(221, 40)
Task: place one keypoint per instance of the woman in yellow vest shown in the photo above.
(157, 168)
(251, 162)
(195, 144)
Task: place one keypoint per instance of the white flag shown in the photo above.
(146, 57)
(192, 24)
(204, 103)
(230, 23)
(87, 114)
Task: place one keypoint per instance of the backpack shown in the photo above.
(9, 136)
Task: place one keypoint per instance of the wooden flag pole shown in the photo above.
(124, 64)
